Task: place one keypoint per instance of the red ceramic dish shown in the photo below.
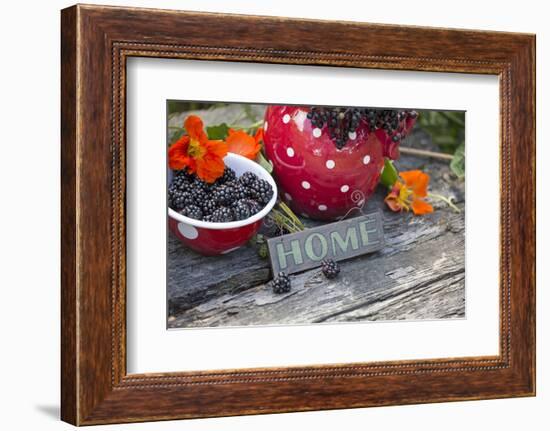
(211, 239)
(315, 178)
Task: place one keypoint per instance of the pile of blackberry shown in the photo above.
(341, 122)
(228, 199)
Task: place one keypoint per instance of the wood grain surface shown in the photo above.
(95, 43)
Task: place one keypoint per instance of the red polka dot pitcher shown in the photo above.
(318, 178)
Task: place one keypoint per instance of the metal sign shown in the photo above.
(338, 241)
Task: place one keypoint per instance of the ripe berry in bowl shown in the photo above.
(329, 160)
(218, 218)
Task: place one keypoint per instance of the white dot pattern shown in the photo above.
(352, 135)
(366, 160)
(316, 132)
(330, 164)
(306, 185)
(286, 118)
(322, 207)
(290, 152)
(188, 231)
(344, 188)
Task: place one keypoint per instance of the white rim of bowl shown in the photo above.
(262, 173)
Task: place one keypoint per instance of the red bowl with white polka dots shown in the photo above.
(315, 178)
(212, 239)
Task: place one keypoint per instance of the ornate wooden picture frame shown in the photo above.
(96, 41)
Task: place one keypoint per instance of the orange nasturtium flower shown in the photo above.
(240, 142)
(409, 193)
(197, 153)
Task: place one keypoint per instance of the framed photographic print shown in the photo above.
(275, 219)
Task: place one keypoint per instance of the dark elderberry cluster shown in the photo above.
(228, 199)
(341, 122)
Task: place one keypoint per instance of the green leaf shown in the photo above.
(458, 164)
(262, 161)
(446, 128)
(389, 174)
(263, 251)
(218, 132)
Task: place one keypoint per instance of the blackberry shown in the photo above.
(248, 178)
(224, 195)
(228, 175)
(179, 199)
(228, 198)
(330, 268)
(172, 190)
(222, 215)
(181, 178)
(254, 206)
(281, 283)
(261, 191)
(209, 206)
(198, 194)
(192, 211)
(240, 191)
(242, 209)
(201, 185)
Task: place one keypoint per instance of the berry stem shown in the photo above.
(447, 200)
(425, 153)
(286, 219)
(286, 209)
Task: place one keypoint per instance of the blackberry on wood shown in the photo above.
(281, 283)
(330, 268)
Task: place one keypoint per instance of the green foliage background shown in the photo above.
(447, 130)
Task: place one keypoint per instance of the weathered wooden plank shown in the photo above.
(428, 268)
(194, 279)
